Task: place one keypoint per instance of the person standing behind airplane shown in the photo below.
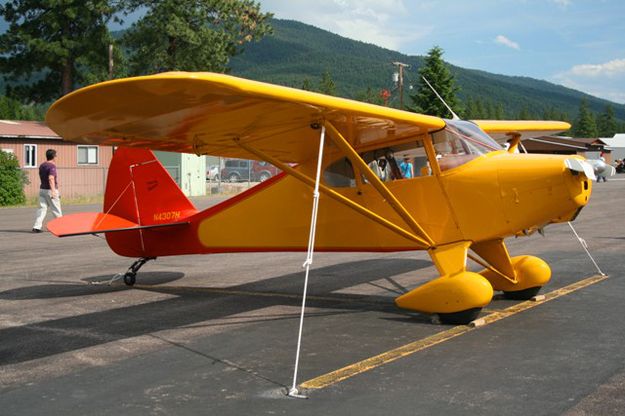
(48, 191)
(602, 177)
(407, 170)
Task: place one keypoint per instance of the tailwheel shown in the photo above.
(461, 317)
(525, 294)
(130, 278)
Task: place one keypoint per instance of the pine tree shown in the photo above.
(11, 109)
(306, 85)
(550, 113)
(467, 112)
(435, 70)
(326, 85)
(479, 109)
(585, 125)
(500, 113)
(192, 35)
(489, 111)
(51, 48)
(606, 122)
(524, 114)
(369, 96)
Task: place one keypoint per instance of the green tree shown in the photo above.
(524, 114)
(606, 122)
(306, 85)
(327, 85)
(500, 113)
(52, 46)
(192, 35)
(435, 70)
(11, 109)
(585, 125)
(369, 96)
(469, 109)
(12, 180)
(479, 109)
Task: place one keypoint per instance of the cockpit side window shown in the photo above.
(340, 174)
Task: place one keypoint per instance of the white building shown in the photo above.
(189, 171)
(617, 145)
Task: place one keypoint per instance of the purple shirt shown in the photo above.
(45, 170)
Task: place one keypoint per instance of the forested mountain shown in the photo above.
(298, 53)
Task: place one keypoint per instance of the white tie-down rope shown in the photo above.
(293, 391)
(585, 247)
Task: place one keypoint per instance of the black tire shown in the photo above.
(524, 294)
(459, 318)
(264, 176)
(233, 177)
(130, 279)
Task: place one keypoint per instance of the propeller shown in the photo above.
(581, 166)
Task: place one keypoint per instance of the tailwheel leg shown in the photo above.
(130, 277)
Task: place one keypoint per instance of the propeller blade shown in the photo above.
(581, 166)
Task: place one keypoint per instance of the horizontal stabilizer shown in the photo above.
(97, 222)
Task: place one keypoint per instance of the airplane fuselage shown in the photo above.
(497, 195)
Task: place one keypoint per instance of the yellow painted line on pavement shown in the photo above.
(351, 370)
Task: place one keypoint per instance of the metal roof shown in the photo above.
(26, 129)
(618, 141)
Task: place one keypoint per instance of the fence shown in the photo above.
(74, 183)
(85, 182)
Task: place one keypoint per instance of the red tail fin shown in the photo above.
(140, 198)
(140, 190)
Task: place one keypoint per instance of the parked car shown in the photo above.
(212, 174)
(237, 170)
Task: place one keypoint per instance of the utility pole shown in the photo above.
(400, 81)
(111, 61)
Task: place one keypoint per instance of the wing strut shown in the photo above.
(379, 186)
(338, 197)
(293, 391)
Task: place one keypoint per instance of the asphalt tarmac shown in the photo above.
(216, 335)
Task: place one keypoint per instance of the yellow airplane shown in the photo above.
(389, 180)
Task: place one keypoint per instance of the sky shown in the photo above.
(576, 43)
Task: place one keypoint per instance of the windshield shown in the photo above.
(461, 142)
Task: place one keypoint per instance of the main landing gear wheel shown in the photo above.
(460, 318)
(130, 277)
(525, 294)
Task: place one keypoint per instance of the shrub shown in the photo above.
(12, 180)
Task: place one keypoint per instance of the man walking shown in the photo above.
(48, 191)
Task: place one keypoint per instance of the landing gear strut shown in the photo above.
(130, 277)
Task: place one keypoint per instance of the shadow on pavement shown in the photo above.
(47, 338)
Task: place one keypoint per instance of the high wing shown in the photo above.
(208, 113)
(502, 130)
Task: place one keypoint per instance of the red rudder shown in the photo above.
(140, 190)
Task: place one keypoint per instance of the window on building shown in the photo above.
(30, 155)
(87, 155)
